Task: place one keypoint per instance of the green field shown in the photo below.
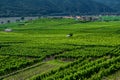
(110, 18)
(40, 50)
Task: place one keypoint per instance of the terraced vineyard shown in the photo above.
(41, 50)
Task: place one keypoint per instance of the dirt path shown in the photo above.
(18, 71)
(35, 69)
(26, 74)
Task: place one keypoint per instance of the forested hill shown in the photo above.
(115, 4)
(51, 7)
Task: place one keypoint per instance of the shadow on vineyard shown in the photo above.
(4, 45)
(91, 45)
(118, 32)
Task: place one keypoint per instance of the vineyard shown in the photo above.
(41, 50)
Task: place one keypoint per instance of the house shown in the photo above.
(90, 18)
(68, 17)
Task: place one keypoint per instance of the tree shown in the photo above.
(8, 21)
(22, 18)
(2, 22)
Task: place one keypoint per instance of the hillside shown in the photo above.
(51, 7)
(41, 50)
(113, 4)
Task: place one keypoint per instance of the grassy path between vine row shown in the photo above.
(38, 69)
(46, 65)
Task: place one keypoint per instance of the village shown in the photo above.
(81, 18)
(16, 19)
